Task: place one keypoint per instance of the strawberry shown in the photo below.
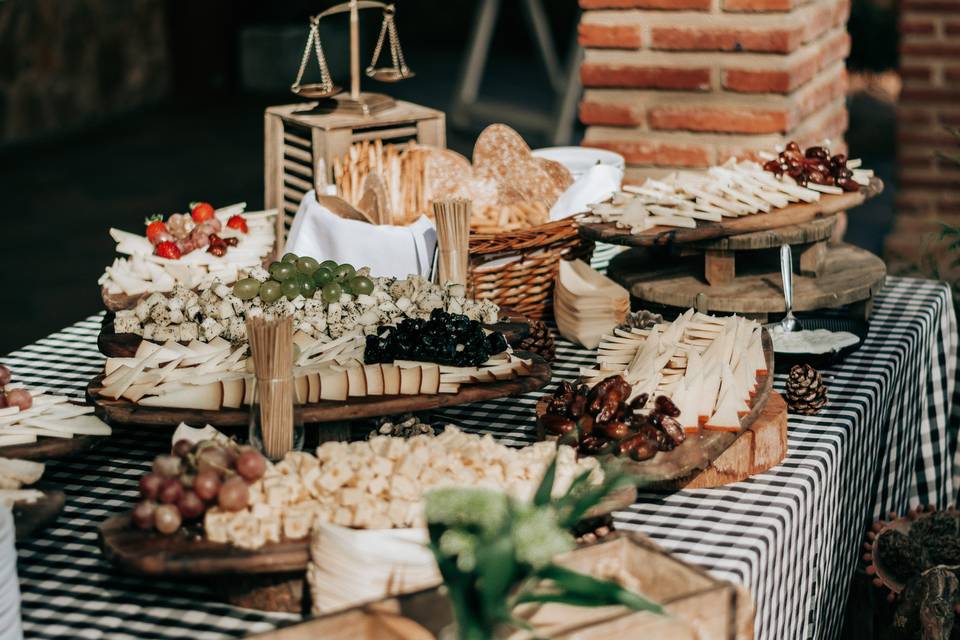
(155, 227)
(201, 211)
(168, 250)
(239, 223)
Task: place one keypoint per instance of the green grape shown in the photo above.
(332, 292)
(330, 264)
(273, 265)
(361, 285)
(307, 288)
(246, 289)
(344, 272)
(290, 258)
(270, 291)
(345, 287)
(322, 276)
(283, 272)
(291, 288)
(307, 265)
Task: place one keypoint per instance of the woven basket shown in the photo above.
(518, 269)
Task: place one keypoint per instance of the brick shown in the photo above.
(916, 161)
(720, 119)
(841, 13)
(782, 40)
(916, 26)
(938, 6)
(949, 118)
(613, 36)
(910, 72)
(927, 180)
(951, 28)
(914, 116)
(599, 74)
(758, 5)
(915, 137)
(929, 95)
(952, 73)
(788, 75)
(658, 153)
(931, 49)
(597, 112)
(672, 5)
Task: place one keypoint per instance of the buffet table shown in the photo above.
(791, 535)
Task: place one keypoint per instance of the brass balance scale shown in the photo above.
(330, 97)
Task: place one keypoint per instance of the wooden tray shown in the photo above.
(680, 467)
(125, 412)
(187, 554)
(29, 518)
(514, 327)
(705, 230)
(46, 448)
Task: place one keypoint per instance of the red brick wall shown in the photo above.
(689, 83)
(929, 186)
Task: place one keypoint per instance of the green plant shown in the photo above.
(495, 553)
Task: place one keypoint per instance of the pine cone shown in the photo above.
(806, 393)
(642, 319)
(539, 341)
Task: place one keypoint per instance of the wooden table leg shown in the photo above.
(812, 257)
(719, 267)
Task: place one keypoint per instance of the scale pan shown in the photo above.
(389, 74)
(315, 90)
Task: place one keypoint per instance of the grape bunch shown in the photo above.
(814, 165)
(194, 477)
(14, 397)
(293, 276)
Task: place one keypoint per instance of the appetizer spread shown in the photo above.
(731, 190)
(373, 484)
(13, 475)
(189, 250)
(654, 387)
(509, 187)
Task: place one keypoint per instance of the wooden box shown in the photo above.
(300, 146)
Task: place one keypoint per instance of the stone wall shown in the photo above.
(65, 63)
(688, 83)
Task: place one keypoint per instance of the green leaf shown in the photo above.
(603, 592)
(497, 571)
(544, 491)
(594, 496)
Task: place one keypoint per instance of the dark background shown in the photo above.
(191, 126)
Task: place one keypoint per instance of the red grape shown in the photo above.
(251, 465)
(167, 519)
(207, 484)
(143, 514)
(213, 457)
(3, 399)
(182, 448)
(170, 491)
(20, 398)
(234, 495)
(150, 485)
(191, 506)
(4, 375)
(166, 466)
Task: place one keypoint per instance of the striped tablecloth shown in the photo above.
(791, 535)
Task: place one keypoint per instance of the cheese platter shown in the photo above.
(669, 400)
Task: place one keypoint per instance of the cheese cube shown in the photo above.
(189, 331)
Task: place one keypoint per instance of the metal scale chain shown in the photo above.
(399, 65)
(326, 84)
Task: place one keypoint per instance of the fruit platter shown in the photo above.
(667, 398)
(364, 346)
(738, 197)
(240, 514)
(186, 250)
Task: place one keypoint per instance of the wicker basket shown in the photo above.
(517, 269)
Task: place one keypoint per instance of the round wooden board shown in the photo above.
(802, 233)
(187, 553)
(795, 213)
(514, 327)
(47, 448)
(29, 518)
(848, 275)
(125, 412)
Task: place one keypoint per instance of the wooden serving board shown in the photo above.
(47, 448)
(514, 327)
(188, 554)
(705, 230)
(126, 412)
(31, 517)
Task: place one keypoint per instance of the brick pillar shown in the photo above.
(688, 83)
(929, 187)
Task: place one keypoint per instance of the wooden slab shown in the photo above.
(803, 233)
(187, 554)
(125, 412)
(513, 325)
(848, 275)
(47, 448)
(30, 518)
(705, 230)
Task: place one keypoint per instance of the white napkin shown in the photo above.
(388, 250)
(596, 185)
(9, 586)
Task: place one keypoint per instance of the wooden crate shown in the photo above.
(300, 147)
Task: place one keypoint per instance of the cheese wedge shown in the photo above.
(430, 379)
(410, 380)
(207, 397)
(357, 381)
(373, 375)
(233, 393)
(334, 385)
(301, 389)
(313, 387)
(391, 379)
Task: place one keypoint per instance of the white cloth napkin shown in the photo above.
(388, 250)
(10, 628)
(596, 185)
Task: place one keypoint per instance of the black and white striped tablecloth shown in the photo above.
(791, 535)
